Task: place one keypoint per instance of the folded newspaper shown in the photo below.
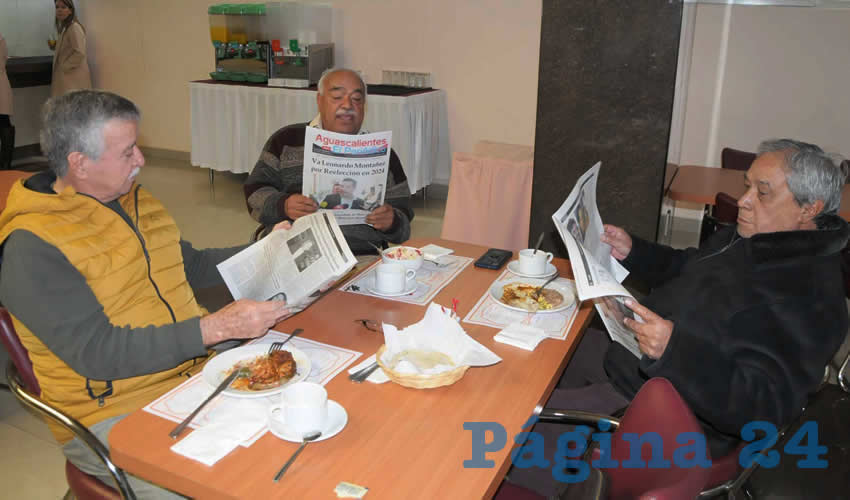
(290, 264)
(346, 174)
(597, 273)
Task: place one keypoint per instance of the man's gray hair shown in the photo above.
(811, 173)
(74, 123)
(330, 71)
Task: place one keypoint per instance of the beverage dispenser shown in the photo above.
(242, 56)
(301, 48)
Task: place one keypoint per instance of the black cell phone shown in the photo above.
(494, 258)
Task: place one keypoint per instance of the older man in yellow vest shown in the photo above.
(99, 282)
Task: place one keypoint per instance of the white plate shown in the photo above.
(337, 418)
(566, 289)
(513, 266)
(216, 369)
(410, 287)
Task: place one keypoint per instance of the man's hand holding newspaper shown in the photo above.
(292, 263)
(594, 259)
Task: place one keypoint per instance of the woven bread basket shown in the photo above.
(417, 380)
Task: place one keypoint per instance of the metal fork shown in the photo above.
(438, 264)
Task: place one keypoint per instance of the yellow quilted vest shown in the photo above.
(137, 277)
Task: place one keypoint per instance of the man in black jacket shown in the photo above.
(742, 326)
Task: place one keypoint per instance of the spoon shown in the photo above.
(540, 289)
(539, 241)
(306, 439)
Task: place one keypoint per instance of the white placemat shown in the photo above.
(430, 279)
(326, 361)
(488, 312)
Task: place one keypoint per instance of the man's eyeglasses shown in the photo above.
(369, 324)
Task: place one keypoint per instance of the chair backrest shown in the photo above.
(657, 408)
(725, 208)
(736, 159)
(24, 386)
(17, 352)
(489, 201)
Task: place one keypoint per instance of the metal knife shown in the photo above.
(222, 386)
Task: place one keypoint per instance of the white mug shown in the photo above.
(531, 263)
(392, 277)
(303, 408)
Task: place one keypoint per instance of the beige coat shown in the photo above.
(5, 88)
(70, 66)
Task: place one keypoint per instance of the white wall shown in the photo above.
(26, 25)
(782, 72)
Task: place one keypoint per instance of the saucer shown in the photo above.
(410, 287)
(337, 418)
(513, 266)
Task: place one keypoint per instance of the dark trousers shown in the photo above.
(583, 386)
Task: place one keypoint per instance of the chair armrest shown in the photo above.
(79, 430)
(576, 417)
(843, 377)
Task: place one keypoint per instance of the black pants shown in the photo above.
(5, 121)
(583, 386)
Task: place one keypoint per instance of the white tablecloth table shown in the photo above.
(231, 123)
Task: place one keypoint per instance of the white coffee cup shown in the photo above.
(533, 263)
(392, 278)
(303, 408)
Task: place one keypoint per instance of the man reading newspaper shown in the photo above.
(274, 191)
(742, 326)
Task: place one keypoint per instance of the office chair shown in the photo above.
(736, 159)
(24, 385)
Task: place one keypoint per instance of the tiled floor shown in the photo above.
(31, 462)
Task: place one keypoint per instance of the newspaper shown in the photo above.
(346, 173)
(290, 264)
(597, 273)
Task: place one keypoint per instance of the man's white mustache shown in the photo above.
(346, 113)
(134, 173)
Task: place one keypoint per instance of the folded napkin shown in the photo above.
(434, 252)
(438, 332)
(376, 377)
(519, 335)
(210, 443)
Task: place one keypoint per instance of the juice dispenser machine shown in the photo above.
(240, 42)
(300, 48)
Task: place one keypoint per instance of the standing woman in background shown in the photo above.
(7, 131)
(70, 66)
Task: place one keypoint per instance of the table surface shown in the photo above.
(7, 180)
(699, 184)
(399, 442)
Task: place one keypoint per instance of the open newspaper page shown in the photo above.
(346, 174)
(597, 273)
(290, 264)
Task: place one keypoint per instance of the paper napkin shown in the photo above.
(226, 430)
(439, 331)
(519, 335)
(376, 377)
(434, 252)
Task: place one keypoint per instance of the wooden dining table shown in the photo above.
(700, 184)
(399, 442)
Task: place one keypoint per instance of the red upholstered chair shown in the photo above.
(724, 213)
(24, 386)
(657, 408)
(736, 159)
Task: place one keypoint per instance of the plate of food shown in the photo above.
(261, 374)
(518, 294)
